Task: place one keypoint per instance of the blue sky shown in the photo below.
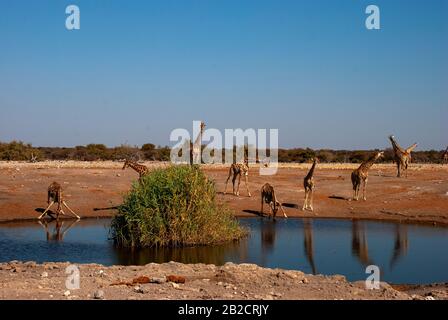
(138, 69)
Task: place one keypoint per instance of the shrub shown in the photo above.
(174, 206)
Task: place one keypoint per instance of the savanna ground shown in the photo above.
(422, 197)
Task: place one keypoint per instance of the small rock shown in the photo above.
(429, 298)
(67, 293)
(139, 289)
(44, 274)
(157, 280)
(98, 294)
(175, 285)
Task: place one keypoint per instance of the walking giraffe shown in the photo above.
(402, 156)
(195, 148)
(54, 194)
(361, 174)
(238, 169)
(139, 168)
(308, 184)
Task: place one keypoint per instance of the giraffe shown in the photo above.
(238, 169)
(139, 168)
(361, 174)
(308, 184)
(54, 194)
(268, 196)
(445, 156)
(402, 156)
(195, 148)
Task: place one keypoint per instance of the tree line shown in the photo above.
(20, 151)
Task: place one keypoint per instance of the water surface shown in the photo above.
(404, 253)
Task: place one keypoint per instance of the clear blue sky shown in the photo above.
(138, 69)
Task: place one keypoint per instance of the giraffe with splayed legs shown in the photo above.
(308, 184)
(268, 196)
(402, 156)
(54, 195)
(360, 176)
(142, 170)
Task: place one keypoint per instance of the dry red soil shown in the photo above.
(421, 197)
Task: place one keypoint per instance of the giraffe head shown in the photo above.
(379, 154)
(126, 164)
(202, 126)
(316, 160)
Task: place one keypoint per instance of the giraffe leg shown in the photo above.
(69, 209)
(247, 185)
(311, 199)
(46, 210)
(364, 190)
(233, 183)
(227, 181)
(398, 170)
(238, 187)
(283, 211)
(305, 201)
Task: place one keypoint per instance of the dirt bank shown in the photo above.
(245, 281)
(422, 197)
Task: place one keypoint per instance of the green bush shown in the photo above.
(174, 206)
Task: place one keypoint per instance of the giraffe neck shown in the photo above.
(311, 172)
(396, 146)
(136, 167)
(366, 165)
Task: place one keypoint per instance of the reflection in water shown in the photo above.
(360, 247)
(326, 246)
(308, 243)
(401, 244)
(58, 231)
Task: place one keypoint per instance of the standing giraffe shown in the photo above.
(445, 156)
(361, 174)
(195, 148)
(268, 196)
(54, 194)
(238, 169)
(139, 168)
(308, 184)
(402, 156)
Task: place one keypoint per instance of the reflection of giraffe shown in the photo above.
(58, 232)
(308, 243)
(308, 184)
(360, 247)
(195, 148)
(402, 156)
(445, 156)
(361, 174)
(401, 244)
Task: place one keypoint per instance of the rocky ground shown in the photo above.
(172, 280)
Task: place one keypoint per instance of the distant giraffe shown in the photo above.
(139, 168)
(238, 169)
(308, 184)
(195, 148)
(402, 156)
(268, 196)
(361, 174)
(445, 156)
(54, 194)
